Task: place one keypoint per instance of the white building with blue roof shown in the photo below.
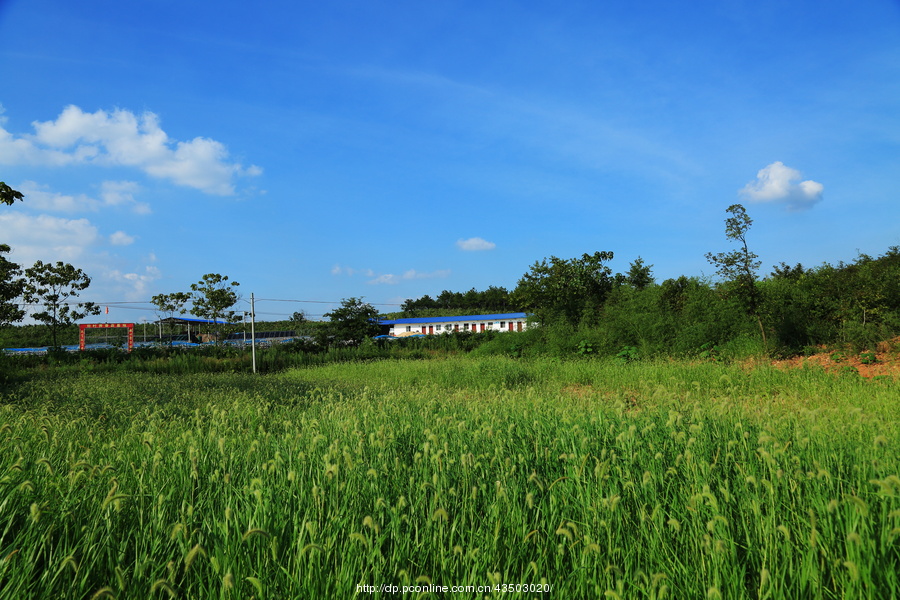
(473, 323)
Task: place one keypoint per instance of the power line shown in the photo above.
(147, 305)
(320, 301)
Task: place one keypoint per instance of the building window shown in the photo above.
(437, 327)
(502, 324)
(490, 324)
(466, 327)
(409, 327)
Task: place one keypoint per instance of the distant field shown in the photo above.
(597, 479)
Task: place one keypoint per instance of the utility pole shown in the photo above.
(253, 329)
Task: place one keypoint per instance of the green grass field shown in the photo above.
(595, 478)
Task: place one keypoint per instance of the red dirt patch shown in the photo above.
(884, 361)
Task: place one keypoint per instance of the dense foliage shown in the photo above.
(570, 291)
(352, 323)
(492, 300)
(11, 287)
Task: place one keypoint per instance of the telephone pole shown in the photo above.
(253, 329)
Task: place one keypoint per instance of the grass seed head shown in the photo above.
(191, 555)
(440, 515)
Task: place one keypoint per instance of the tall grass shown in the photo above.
(644, 480)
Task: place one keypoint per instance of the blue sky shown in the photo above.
(318, 151)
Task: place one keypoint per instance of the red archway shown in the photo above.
(129, 326)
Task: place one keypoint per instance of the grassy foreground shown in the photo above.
(641, 480)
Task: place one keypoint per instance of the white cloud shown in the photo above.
(46, 238)
(349, 271)
(475, 244)
(120, 238)
(779, 183)
(134, 286)
(391, 279)
(121, 193)
(112, 193)
(122, 138)
(41, 198)
(77, 241)
(387, 278)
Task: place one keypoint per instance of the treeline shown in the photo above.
(856, 304)
(799, 309)
(580, 305)
(627, 315)
(583, 307)
(492, 300)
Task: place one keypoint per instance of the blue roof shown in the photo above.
(417, 320)
(193, 320)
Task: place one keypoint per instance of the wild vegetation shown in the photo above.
(648, 479)
(583, 307)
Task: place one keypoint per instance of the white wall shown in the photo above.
(449, 326)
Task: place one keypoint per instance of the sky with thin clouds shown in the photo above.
(327, 150)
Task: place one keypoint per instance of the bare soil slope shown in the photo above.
(884, 361)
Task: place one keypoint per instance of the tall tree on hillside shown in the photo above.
(213, 297)
(738, 267)
(53, 286)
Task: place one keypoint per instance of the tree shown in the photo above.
(9, 195)
(738, 267)
(11, 284)
(353, 322)
(301, 324)
(639, 275)
(213, 296)
(571, 290)
(168, 305)
(411, 307)
(52, 286)
(11, 287)
(786, 271)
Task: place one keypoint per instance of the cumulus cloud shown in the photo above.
(112, 193)
(123, 138)
(779, 183)
(134, 286)
(475, 244)
(78, 241)
(392, 279)
(41, 198)
(120, 238)
(46, 238)
(121, 193)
